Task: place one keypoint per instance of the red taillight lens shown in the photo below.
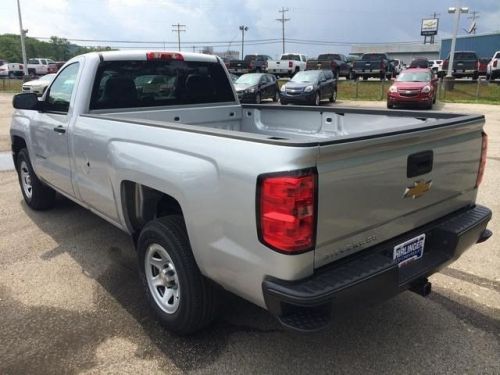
(482, 163)
(286, 209)
(290, 64)
(164, 56)
(495, 63)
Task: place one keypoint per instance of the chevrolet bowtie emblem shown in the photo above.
(418, 189)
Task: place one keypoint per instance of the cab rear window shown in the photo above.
(137, 84)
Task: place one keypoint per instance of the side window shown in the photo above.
(60, 91)
(32, 61)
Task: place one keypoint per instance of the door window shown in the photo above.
(60, 91)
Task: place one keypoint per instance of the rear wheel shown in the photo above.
(365, 78)
(36, 194)
(182, 298)
(475, 76)
(12, 75)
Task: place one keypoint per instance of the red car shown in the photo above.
(413, 86)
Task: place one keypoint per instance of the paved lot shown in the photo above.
(70, 302)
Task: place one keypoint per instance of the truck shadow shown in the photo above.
(244, 336)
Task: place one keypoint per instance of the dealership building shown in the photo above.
(405, 52)
(485, 45)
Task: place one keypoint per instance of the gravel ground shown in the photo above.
(70, 302)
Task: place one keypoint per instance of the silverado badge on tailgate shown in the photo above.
(418, 189)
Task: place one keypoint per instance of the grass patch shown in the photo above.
(10, 85)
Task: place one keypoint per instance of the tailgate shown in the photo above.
(362, 185)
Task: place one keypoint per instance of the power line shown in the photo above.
(283, 20)
(178, 28)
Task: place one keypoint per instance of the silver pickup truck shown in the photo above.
(305, 212)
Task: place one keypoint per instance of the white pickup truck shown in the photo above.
(287, 65)
(303, 211)
(493, 68)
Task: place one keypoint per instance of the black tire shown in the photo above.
(198, 296)
(389, 105)
(382, 76)
(36, 194)
(12, 75)
(283, 102)
(258, 98)
(434, 99)
(333, 96)
(350, 76)
(337, 74)
(475, 76)
(365, 78)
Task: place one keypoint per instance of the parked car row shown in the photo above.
(36, 67)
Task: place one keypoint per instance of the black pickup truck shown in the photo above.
(250, 64)
(377, 65)
(336, 62)
(465, 64)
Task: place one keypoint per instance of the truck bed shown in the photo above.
(292, 126)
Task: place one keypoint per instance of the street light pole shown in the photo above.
(243, 28)
(22, 34)
(456, 11)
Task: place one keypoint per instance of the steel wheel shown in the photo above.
(26, 180)
(162, 278)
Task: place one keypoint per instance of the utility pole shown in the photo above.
(22, 34)
(283, 20)
(243, 28)
(178, 28)
(434, 15)
(474, 16)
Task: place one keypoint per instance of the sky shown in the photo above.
(216, 22)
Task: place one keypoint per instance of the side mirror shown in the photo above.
(26, 101)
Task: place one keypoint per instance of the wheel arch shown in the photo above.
(17, 144)
(141, 204)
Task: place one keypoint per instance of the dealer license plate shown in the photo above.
(409, 251)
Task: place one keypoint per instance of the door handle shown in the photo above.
(60, 129)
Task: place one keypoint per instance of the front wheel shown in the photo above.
(181, 297)
(12, 75)
(258, 98)
(36, 194)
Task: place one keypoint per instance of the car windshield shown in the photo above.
(465, 56)
(290, 57)
(329, 56)
(414, 77)
(373, 57)
(307, 76)
(248, 79)
(47, 77)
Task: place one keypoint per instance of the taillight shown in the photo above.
(495, 63)
(286, 210)
(164, 56)
(482, 163)
(290, 64)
